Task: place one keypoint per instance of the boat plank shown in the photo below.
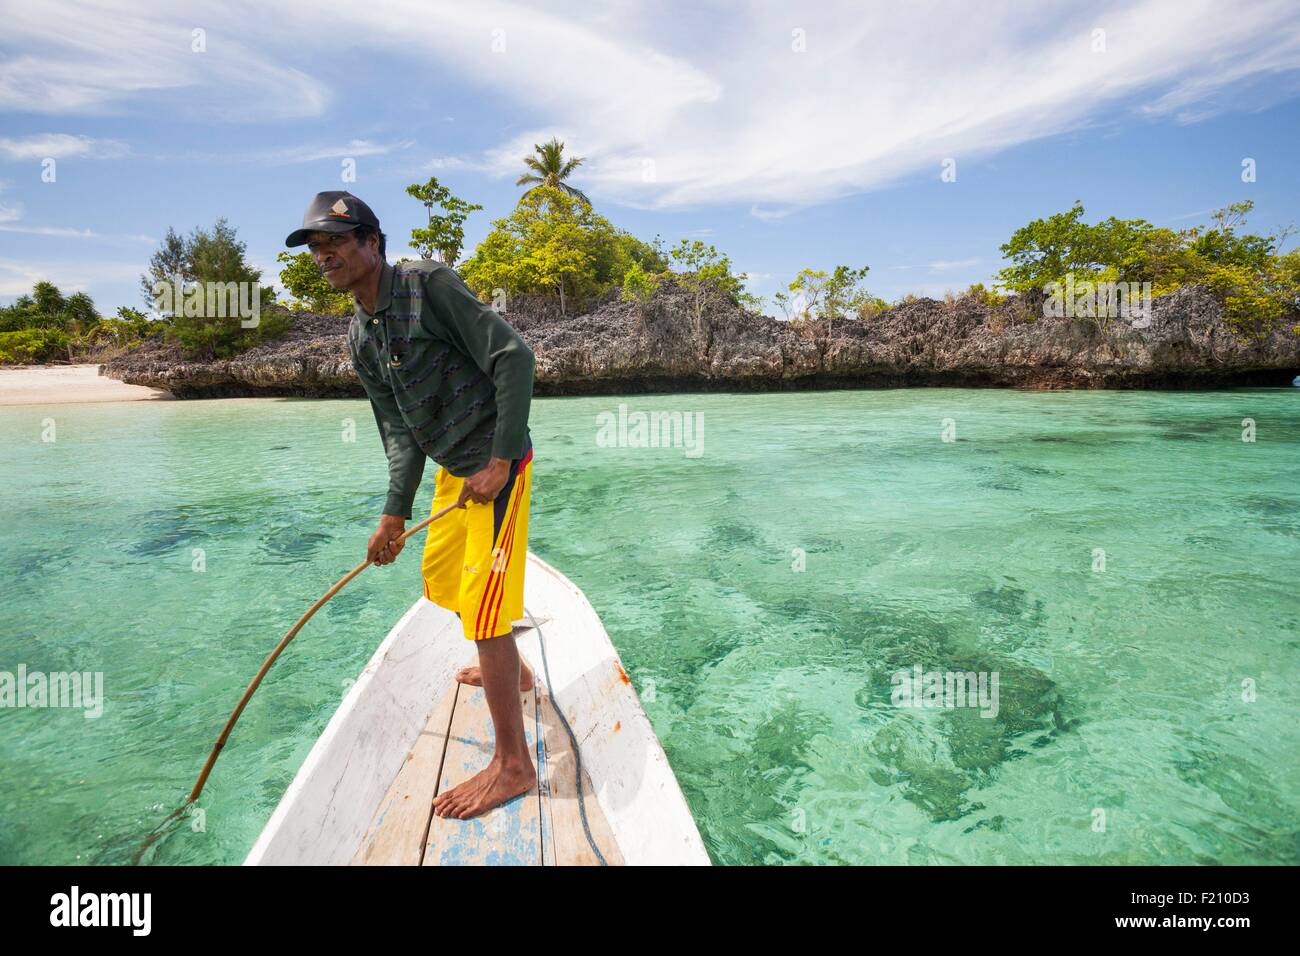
(543, 786)
(569, 841)
(509, 835)
(341, 806)
(396, 834)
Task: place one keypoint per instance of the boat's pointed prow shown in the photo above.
(407, 730)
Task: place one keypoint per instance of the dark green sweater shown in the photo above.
(447, 377)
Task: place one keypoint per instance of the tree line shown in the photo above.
(554, 243)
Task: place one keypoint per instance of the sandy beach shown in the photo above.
(68, 384)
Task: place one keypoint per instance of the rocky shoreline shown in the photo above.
(612, 348)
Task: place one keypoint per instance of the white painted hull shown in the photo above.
(324, 815)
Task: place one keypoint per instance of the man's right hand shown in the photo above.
(384, 546)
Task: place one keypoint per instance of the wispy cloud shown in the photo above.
(771, 215)
(454, 162)
(880, 91)
(940, 265)
(1200, 213)
(750, 103)
(943, 265)
(67, 232)
(96, 57)
(298, 153)
(18, 277)
(14, 214)
(312, 153)
(60, 146)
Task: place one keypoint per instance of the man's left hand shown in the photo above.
(484, 486)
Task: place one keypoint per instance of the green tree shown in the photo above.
(46, 325)
(826, 295)
(550, 168)
(706, 274)
(1048, 250)
(128, 328)
(444, 237)
(555, 256)
(310, 291)
(49, 300)
(1252, 281)
(979, 293)
(553, 243)
(805, 301)
(1222, 246)
(199, 270)
(32, 346)
(639, 288)
(843, 294)
(80, 311)
(170, 263)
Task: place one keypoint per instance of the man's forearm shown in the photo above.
(405, 463)
(405, 470)
(514, 392)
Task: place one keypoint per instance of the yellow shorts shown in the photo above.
(474, 556)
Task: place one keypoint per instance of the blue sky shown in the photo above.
(788, 136)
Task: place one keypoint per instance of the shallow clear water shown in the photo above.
(1121, 734)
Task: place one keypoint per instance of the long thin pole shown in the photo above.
(284, 642)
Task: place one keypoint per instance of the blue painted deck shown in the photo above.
(540, 827)
(509, 835)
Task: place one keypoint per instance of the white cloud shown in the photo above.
(60, 146)
(885, 91)
(713, 94)
(1199, 214)
(70, 275)
(13, 214)
(771, 215)
(882, 91)
(943, 265)
(307, 152)
(71, 57)
(66, 232)
(454, 162)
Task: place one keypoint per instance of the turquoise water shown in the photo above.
(1121, 735)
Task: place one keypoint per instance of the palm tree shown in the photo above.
(549, 168)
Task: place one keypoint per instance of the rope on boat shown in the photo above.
(284, 642)
(577, 753)
(158, 831)
(293, 632)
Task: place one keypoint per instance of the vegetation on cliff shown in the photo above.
(554, 246)
(47, 326)
(1256, 284)
(179, 283)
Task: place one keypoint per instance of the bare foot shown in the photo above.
(474, 677)
(488, 788)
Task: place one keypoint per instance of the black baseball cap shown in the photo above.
(333, 211)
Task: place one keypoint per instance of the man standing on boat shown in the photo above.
(448, 379)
